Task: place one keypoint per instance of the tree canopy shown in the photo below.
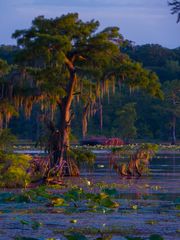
(65, 60)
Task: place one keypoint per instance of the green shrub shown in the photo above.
(14, 170)
(7, 139)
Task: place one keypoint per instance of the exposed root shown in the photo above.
(41, 167)
(72, 168)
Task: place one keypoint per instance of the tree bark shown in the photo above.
(64, 130)
(66, 116)
(60, 137)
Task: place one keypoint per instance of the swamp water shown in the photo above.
(147, 205)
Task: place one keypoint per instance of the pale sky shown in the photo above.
(142, 21)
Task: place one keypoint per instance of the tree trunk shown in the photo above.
(65, 108)
(61, 162)
(65, 131)
(67, 166)
(66, 116)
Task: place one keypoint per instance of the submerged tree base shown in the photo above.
(138, 164)
(42, 172)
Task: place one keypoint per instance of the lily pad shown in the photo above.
(156, 237)
(76, 236)
(107, 202)
(110, 191)
(57, 202)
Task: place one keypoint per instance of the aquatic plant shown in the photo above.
(138, 163)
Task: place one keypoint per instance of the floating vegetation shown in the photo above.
(74, 203)
(70, 235)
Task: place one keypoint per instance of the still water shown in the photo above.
(148, 205)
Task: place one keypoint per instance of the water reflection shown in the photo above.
(164, 177)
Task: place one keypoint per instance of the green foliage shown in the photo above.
(75, 236)
(110, 191)
(53, 47)
(35, 225)
(150, 147)
(105, 201)
(68, 35)
(4, 68)
(13, 170)
(152, 55)
(124, 122)
(39, 194)
(172, 97)
(13, 167)
(8, 52)
(82, 155)
(139, 160)
(156, 237)
(73, 199)
(7, 139)
(58, 202)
